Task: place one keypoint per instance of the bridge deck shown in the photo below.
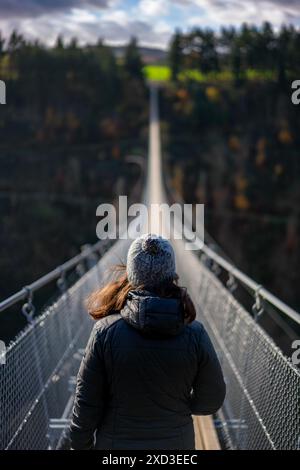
(262, 384)
(205, 433)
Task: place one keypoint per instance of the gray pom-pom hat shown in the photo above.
(150, 261)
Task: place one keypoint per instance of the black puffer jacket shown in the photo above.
(143, 374)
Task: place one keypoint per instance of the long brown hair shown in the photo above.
(112, 297)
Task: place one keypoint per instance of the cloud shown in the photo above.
(153, 8)
(152, 21)
(236, 6)
(115, 27)
(234, 12)
(228, 4)
(35, 8)
(116, 16)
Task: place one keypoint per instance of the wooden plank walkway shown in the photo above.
(205, 433)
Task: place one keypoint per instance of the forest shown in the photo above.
(74, 115)
(238, 54)
(232, 143)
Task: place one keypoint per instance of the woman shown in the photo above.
(148, 365)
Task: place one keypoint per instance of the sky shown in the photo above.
(151, 21)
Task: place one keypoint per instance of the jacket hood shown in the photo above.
(153, 315)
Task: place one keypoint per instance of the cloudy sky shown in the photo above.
(152, 21)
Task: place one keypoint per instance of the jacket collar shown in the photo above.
(153, 315)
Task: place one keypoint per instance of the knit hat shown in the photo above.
(150, 261)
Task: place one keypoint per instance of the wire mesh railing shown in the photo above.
(37, 379)
(34, 381)
(262, 406)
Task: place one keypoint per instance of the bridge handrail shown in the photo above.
(236, 273)
(226, 264)
(256, 288)
(52, 275)
(62, 269)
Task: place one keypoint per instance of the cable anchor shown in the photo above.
(231, 283)
(28, 309)
(257, 307)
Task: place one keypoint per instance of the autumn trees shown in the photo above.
(237, 51)
(67, 93)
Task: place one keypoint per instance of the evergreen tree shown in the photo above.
(133, 64)
(282, 55)
(15, 42)
(2, 42)
(59, 43)
(209, 61)
(176, 55)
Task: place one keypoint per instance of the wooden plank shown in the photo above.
(198, 438)
(205, 433)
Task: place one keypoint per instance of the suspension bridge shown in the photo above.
(37, 382)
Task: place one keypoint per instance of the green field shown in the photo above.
(162, 73)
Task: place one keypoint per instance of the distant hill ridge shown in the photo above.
(149, 54)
